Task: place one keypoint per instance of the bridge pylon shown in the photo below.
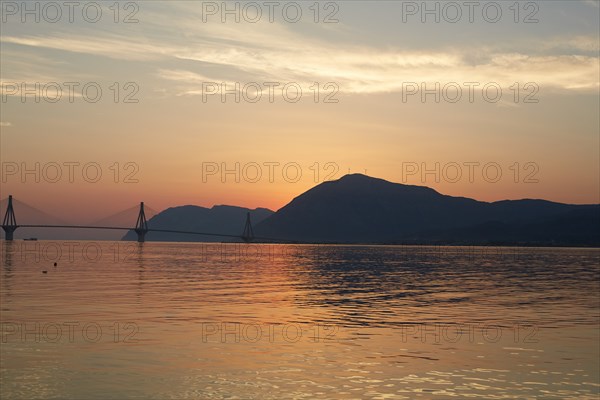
(141, 226)
(9, 223)
(248, 234)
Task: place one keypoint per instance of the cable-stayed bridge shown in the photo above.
(10, 225)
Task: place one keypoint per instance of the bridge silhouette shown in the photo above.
(9, 225)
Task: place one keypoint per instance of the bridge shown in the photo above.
(9, 225)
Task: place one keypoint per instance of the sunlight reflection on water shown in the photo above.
(192, 320)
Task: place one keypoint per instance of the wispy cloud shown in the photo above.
(273, 52)
(109, 46)
(571, 44)
(376, 72)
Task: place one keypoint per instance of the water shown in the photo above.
(117, 320)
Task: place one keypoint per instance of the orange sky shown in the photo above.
(172, 132)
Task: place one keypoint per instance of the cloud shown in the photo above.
(44, 89)
(571, 44)
(273, 52)
(373, 72)
(109, 46)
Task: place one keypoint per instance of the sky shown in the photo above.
(253, 103)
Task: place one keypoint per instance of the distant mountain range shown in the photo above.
(361, 209)
(228, 220)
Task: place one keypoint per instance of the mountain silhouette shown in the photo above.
(228, 220)
(361, 209)
(358, 209)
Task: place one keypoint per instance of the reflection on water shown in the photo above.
(176, 321)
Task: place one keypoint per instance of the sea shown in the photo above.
(127, 320)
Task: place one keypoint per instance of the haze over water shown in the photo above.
(281, 321)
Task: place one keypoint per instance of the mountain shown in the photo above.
(227, 220)
(574, 228)
(358, 209)
(123, 218)
(362, 209)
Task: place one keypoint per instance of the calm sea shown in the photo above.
(117, 320)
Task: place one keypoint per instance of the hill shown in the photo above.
(362, 209)
(228, 220)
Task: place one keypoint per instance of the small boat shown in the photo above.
(31, 238)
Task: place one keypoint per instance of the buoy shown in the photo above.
(55, 264)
